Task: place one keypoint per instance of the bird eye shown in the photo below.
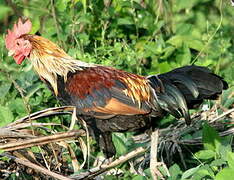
(17, 44)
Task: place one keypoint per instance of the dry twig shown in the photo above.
(44, 113)
(91, 173)
(222, 115)
(41, 140)
(153, 156)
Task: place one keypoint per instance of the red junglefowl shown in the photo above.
(112, 100)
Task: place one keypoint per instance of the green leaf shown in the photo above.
(4, 11)
(4, 158)
(224, 149)
(230, 159)
(17, 105)
(210, 138)
(225, 174)
(183, 55)
(6, 116)
(195, 44)
(61, 5)
(125, 21)
(205, 154)
(229, 102)
(120, 145)
(139, 178)
(218, 162)
(164, 67)
(206, 170)
(176, 41)
(183, 4)
(190, 172)
(4, 89)
(84, 38)
(168, 51)
(191, 42)
(203, 172)
(85, 18)
(184, 29)
(36, 25)
(175, 172)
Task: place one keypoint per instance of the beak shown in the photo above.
(11, 52)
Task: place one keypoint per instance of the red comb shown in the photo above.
(19, 29)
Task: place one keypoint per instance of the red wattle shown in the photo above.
(19, 58)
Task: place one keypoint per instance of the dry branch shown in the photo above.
(44, 113)
(153, 156)
(42, 140)
(223, 115)
(7, 133)
(91, 173)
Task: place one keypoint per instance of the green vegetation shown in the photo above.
(140, 36)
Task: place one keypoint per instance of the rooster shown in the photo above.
(112, 100)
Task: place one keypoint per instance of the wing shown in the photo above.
(105, 90)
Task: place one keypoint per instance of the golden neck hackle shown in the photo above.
(50, 61)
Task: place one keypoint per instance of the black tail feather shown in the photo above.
(185, 88)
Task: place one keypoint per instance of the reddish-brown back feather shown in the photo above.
(84, 82)
(128, 91)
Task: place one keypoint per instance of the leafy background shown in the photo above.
(140, 36)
